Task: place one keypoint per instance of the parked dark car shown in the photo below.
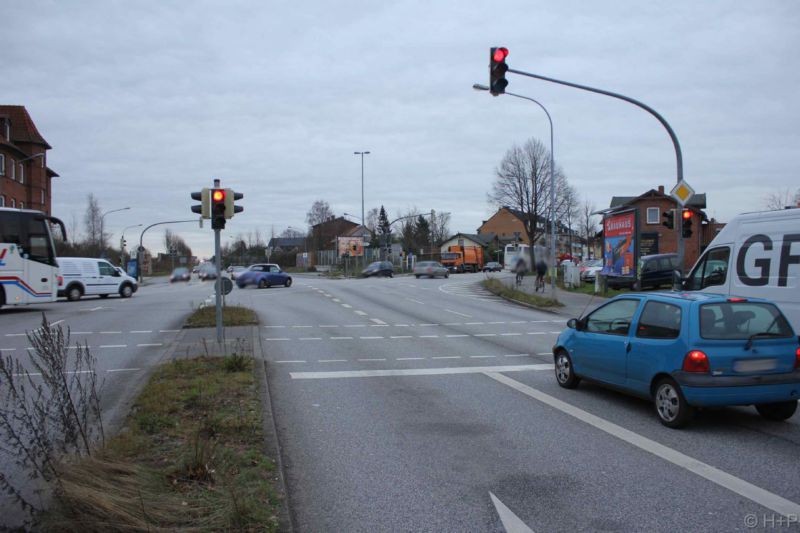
(263, 276)
(653, 272)
(180, 274)
(378, 268)
(492, 266)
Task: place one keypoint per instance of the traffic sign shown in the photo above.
(227, 285)
(141, 248)
(682, 192)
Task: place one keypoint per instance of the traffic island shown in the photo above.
(232, 315)
(497, 287)
(191, 456)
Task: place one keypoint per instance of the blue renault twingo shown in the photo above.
(686, 350)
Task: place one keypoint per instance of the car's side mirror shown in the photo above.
(573, 323)
(678, 282)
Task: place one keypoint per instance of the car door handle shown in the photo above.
(627, 347)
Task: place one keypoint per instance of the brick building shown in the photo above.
(506, 226)
(24, 175)
(654, 237)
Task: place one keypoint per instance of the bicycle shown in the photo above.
(539, 283)
(519, 277)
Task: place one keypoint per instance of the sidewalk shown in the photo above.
(576, 304)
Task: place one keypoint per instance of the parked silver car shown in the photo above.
(430, 269)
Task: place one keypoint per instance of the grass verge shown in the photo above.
(232, 315)
(499, 288)
(189, 458)
(588, 288)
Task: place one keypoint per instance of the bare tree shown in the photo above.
(372, 220)
(173, 241)
(93, 219)
(320, 212)
(782, 198)
(292, 233)
(440, 227)
(569, 210)
(522, 182)
(587, 223)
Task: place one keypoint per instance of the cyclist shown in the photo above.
(541, 270)
(520, 270)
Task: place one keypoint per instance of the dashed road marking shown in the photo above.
(276, 338)
(142, 331)
(457, 313)
(415, 301)
(485, 335)
(418, 371)
(401, 337)
(310, 338)
(361, 313)
(113, 346)
(152, 344)
(341, 338)
(347, 306)
(370, 338)
(291, 361)
(332, 361)
(379, 322)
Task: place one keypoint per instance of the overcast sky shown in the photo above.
(144, 102)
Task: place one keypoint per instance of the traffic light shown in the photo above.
(497, 70)
(204, 209)
(669, 219)
(230, 208)
(122, 243)
(687, 223)
(218, 208)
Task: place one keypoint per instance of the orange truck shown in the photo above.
(463, 258)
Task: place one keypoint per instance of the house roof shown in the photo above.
(338, 221)
(23, 130)
(286, 242)
(698, 200)
(480, 239)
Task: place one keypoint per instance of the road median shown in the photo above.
(510, 293)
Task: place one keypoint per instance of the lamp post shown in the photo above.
(362, 154)
(103, 226)
(479, 87)
(122, 246)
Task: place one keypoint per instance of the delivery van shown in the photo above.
(85, 276)
(754, 255)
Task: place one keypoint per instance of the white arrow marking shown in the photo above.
(510, 521)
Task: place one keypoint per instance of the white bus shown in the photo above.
(513, 253)
(28, 267)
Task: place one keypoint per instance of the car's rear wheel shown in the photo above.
(263, 284)
(417, 276)
(671, 407)
(288, 282)
(777, 411)
(565, 373)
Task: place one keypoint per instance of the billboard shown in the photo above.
(619, 244)
(350, 246)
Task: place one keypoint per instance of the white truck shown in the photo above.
(754, 255)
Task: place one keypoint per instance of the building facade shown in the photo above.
(25, 179)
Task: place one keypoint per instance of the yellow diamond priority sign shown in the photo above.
(682, 192)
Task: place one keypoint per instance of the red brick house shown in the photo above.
(24, 175)
(654, 237)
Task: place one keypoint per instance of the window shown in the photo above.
(614, 318)
(2, 165)
(8, 130)
(741, 320)
(2, 201)
(42, 195)
(21, 173)
(105, 269)
(13, 170)
(13, 203)
(711, 270)
(653, 215)
(21, 205)
(659, 321)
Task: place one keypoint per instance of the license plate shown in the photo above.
(755, 365)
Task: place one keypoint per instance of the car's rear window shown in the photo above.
(742, 320)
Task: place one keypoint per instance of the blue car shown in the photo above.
(263, 276)
(686, 350)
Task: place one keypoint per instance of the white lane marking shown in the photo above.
(291, 361)
(310, 338)
(401, 337)
(8, 349)
(510, 334)
(473, 323)
(15, 334)
(517, 355)
(332, 361)
(370, 338)
(410, 358)
(423, 325)
(81, 333)
(94, 309)
(518, 322)
(329, 326)
(544, 353)
(415, 301)
(418, 371)
(276, 338)
(485, 335)
(341, 338)
(113, 346)
(495, 322)
(302, 326)
(153, 344)
(274, 326)
(482, 356)
(452, 324)
(110, 332)
(355, 326)
(401, 325)
(429, 336)
(556, 332)
(454, 336)
(511, 522)
(379, 322)
(347, 306)
(361, 313)
(556, 321)
(143, 331)
(326, 295)
(123, 369)
(739, 486)
(337, 300)
(539, 321)
(168, 330)
(457, 313)
(373, 359)
(537, 333)
(447, 357)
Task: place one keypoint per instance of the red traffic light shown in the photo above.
(687, 214)
(218, 195)
(500, 54)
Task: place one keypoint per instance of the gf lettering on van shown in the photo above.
(764, 263)
(3, 256)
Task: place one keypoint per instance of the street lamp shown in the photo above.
(362, 154)
(103, 226)
(479, 87)
(122, 247)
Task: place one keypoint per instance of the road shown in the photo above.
(428, 405)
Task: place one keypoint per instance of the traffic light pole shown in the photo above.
(218, 284)
(675, 143)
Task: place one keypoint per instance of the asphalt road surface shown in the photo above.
(430, 405)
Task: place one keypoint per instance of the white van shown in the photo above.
(755, 255)
(84, 276)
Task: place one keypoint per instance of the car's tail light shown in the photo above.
(695, 361)
(797, 359)
(60, 280)
(737, 300)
